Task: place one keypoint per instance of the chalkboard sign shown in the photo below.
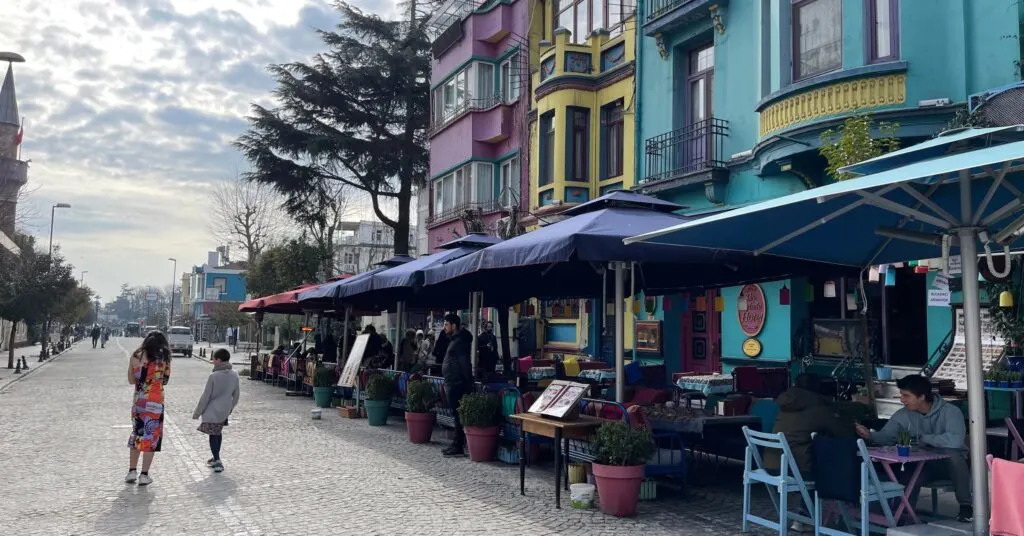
(355, 357)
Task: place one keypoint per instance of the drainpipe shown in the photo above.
(638, 52)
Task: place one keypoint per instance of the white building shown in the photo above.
(366, 243)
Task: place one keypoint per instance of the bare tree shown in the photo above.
(245, 214)
(319, 213)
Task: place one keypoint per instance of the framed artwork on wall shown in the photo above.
(648, 337)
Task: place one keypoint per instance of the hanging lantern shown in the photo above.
(830, 289)
(981, 278)
(873, 274)
(636, 306)
(921, 269)
(851, 302)
(719, 304)
(912, 264)
(531, 310)
(809, 292)
(741, 303)
(1006, 299)
(700, 304)
(784, 295)
(890, 276)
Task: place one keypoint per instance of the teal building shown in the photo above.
(731, 101)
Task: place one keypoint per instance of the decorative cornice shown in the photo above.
(585, 83)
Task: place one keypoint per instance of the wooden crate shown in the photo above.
(349, 412)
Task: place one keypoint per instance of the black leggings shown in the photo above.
(215, 441)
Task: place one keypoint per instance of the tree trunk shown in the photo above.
(10, 345)
(506, 343)
(406, 180)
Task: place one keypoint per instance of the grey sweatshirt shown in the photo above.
(942, 427)
(220, 396)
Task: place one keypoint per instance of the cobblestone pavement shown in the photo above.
(63, 454)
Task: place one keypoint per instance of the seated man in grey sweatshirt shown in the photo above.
(938, 426)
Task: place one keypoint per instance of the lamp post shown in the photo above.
(81, 280)
(53, 213)
(174, 273)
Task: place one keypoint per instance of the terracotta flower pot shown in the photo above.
(420, 426)
(482, 443)
(618, 488)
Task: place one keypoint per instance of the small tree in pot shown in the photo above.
(323, 387)
(622, 452)
(379, 390)
(420, 397)
(479, 414)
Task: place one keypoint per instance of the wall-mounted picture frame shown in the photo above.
(648, 337)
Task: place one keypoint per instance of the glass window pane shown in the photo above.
(484, 181)
(485, 82)
(460, 89)
(582, 23)
(883, 29)
(597, 14)
(448, 192)
(438, 196)
(819, 31)
(565, 20)
(460, 187)
(697, 101)
(505, 75)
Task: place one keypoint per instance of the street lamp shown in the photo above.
(53, 211)
(174, 273)
(81, 280)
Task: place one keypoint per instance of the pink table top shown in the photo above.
(917, 454)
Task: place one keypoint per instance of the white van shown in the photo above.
(180, 340)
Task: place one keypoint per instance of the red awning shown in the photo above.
(286, 303)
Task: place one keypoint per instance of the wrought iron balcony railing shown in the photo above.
(660, 8)
(484, 207)
(452, 113)
(694, 148)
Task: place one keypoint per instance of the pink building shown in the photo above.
(478, 119)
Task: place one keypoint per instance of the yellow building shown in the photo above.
(581, 129)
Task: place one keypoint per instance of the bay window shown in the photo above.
(817, 37)
(509, 75)
(469, 186)
(581, 17)
(472, 87)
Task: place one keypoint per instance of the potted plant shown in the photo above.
(1015, 380)
(323, 387)
(903, 444)
(479, 414)
(990, 377)
(420, 397)
(618, 470)
(379, 389)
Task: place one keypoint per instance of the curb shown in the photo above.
(37, 366)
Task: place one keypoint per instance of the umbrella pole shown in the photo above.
(975, 386)
(474, 311)
(344, 337)
(620, 328)
(399, 332)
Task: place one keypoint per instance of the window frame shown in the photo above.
(509, 82)
(610, 123)
(871, 25)
(509, 180)
(546, 141)
(577, 151)
(602, 21)
(795, 6)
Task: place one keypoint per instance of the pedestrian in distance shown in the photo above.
(149, 370)
(457, 370)
(217, 402)
(104, 337)
(95, 333)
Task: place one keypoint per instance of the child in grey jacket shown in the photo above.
(218, 401)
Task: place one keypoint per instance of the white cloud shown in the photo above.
(130, 109)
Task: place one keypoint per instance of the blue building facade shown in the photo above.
(732, 99)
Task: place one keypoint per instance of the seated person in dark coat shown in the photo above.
(803, 411)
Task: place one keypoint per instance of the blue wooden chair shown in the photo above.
(780, 485)
(866, 489)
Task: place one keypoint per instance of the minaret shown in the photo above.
(13, 172)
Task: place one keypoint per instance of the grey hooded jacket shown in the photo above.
(943, 426)
(220, 396)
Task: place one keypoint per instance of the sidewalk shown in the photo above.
(31, 353)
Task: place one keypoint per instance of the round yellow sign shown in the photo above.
(751, 347)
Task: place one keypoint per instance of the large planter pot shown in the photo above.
(618, 488)
(377, 412)
(420, 426)
(322, 396)
(482, 442)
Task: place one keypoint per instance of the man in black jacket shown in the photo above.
(457, 370)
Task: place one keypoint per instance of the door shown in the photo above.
(697, 136)
(702, 337)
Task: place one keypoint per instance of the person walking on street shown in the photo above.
(149, 370)
(95, 334)
(104, 337)
(218, 401)
(458, 375)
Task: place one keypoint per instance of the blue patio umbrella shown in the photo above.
(327, 295)
(968, 193)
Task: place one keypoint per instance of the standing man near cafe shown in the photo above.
(457, 370)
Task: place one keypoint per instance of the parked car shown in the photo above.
(180, 340)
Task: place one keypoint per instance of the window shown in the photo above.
(817, 37)
(581, 17)
(221, 284)
(484, 76)
(471, 184)
(508, 183)
(378, 235)
(483, 183)
(547, 148)
(579, 141)
(472, 87)
(883, 27)
(612, 145)
(510, 78)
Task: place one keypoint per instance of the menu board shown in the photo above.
(954, 366)
(559, 398)
(355, 358)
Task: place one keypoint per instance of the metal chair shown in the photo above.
(779, 485)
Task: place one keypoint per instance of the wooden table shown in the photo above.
(887, 456)
(581, 428)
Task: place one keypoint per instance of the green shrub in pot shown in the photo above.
(420, 396)
(324, 377)
(379, 387)
(479, 410)
(619, 444)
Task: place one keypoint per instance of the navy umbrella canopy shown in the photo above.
(566, 259)
(326, 295)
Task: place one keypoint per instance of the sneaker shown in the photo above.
(209, 463)
(145, 480)
(966, 514)
(452, 452)
(797, 526)
(217, 466)
(131, 477)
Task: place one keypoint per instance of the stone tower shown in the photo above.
(13, 171)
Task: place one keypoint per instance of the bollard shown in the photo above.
(24, 364)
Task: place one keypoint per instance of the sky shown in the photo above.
(130, 108)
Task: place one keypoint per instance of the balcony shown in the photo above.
(453, 113)
(666, 15)
(485, 207)
(13, 172)
(687, 155)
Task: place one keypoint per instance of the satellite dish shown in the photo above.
(12, 57)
